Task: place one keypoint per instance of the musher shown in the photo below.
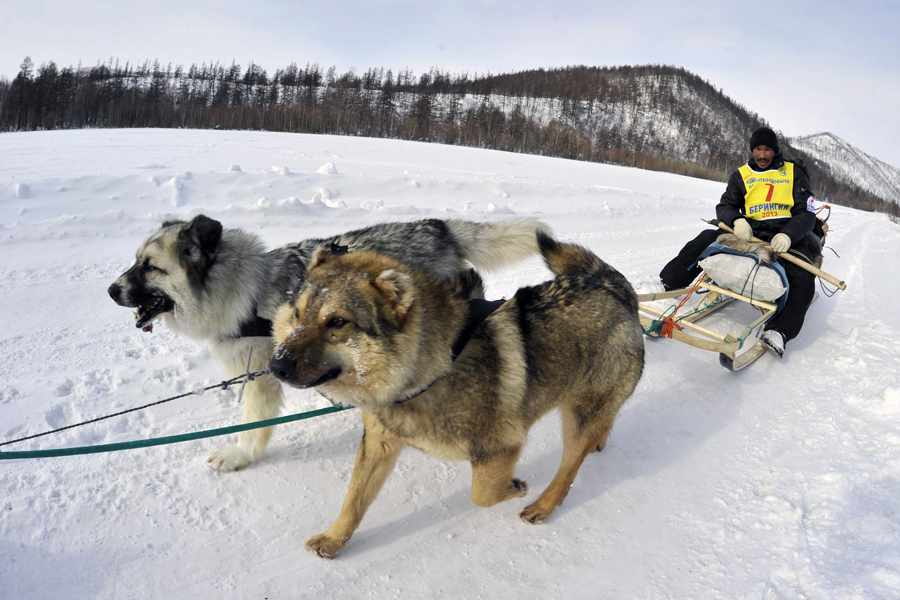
(769, 198)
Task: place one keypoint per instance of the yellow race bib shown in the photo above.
(770, 194)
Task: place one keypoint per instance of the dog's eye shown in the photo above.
(336, 323)
(146, 267)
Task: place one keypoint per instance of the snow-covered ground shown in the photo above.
(778, 482)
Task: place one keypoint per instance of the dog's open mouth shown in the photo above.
(148, 311)
(329, 376)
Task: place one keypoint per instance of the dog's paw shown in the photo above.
(230, 458)
(534, 514)
(324, 546)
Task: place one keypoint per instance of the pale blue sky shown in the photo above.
(805, 66)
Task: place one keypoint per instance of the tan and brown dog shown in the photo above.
(221, 286)
(370, 331)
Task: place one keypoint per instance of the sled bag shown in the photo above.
(744, 274)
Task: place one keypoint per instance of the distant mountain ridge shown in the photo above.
(663, 116)
(656, 117)
(847, 163)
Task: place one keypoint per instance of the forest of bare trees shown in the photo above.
(654, 117)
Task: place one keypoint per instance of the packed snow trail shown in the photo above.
(777, 482)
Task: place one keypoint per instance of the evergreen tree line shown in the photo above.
(654, 117)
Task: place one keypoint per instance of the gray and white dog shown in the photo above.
(222, 286)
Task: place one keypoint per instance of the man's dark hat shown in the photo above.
(764, 137)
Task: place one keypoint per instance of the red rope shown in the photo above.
(669, 325)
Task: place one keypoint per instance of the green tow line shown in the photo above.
(170, 439)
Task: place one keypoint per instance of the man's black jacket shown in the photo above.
(797, 226)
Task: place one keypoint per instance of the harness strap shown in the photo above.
(256, 326)
(253, 326)
(479, 310)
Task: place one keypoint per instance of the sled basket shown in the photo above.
(735, 351)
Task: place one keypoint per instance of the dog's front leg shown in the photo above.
(493, 481)
(262, 399)
(375, 459)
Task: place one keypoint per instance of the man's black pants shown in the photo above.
(682, 270)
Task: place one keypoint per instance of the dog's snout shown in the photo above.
(283, 367)
(115, 292)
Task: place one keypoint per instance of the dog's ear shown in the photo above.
(469, 285)
(320, 257)
(397, 288)
(207, 233)
(198, 244)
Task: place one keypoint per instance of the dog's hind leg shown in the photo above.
(375, 459)
(579, 440)
(262, 399)
(493, 481)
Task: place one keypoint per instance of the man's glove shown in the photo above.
(780, 243)
(742, 230)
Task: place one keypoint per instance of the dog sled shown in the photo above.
(693, 322)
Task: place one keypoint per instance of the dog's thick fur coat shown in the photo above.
(222, 286)
(368, 330)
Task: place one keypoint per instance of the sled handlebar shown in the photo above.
(792, 259)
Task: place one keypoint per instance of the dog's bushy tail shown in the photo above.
(490, 246)
(562, 258)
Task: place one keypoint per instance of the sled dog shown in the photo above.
(367, 330)
(222, 286)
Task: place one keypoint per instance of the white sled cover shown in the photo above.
(744, 275)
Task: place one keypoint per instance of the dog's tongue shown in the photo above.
(148, 328)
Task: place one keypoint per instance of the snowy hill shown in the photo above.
(656, 117)
(851, 165)
(778, 482)
(653, 111)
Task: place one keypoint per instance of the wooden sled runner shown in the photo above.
(680, 322)
(731, 347)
